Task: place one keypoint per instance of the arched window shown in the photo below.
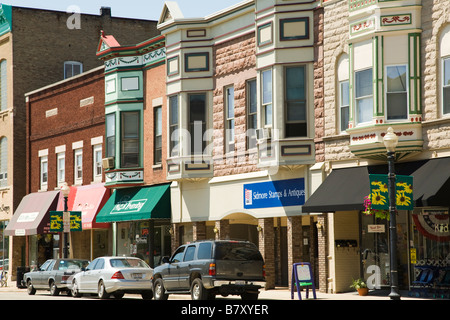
(3, 86)
(3, 162)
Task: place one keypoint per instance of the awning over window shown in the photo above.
(140, 203)
(345, 189)
(32, 214)
(88, 199)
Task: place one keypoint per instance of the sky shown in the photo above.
(139, 9)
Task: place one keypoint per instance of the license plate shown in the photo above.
(136, 276)
(240, 283)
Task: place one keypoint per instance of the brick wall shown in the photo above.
(155, 95)
(234, 64)
(70, 123)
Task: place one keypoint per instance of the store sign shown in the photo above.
(128, 206)
(280, 193)
(380, 193)
(376, 228)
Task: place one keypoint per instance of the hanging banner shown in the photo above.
(75, 221)
(56, 221)
(380, 193)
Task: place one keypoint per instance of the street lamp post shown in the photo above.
(390, 141)
(65, 192)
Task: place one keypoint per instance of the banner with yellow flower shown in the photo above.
(57, 221)
(380, 195)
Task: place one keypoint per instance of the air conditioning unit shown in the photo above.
(108, 163)
(263, 134)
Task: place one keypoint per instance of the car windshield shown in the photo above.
(128, 263)
(237, 251)
(72, 264)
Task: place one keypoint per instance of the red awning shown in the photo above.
(89, 200)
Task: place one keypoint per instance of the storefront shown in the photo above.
(423, 237)
(31, 220)
(141, 222)
(93, 241)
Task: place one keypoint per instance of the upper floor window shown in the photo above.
(43, 172)
(446, 85)
(295, 102)
(3, 86)
(364, 95)
(130, 139)
(110, 123)
(343, 93)
(72, 68)
(157, 147)
(396, 93)
(61, 167)
(97, 161)
(251, 114)
(267, 97)
(78, 166)
(3, 162)
(229, 119)
(197, 122)
(173, 126)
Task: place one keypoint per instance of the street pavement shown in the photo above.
(280, 293)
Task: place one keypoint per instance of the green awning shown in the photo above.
(139, 203)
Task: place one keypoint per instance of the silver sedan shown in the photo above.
(114, 275)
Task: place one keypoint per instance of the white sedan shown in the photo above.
(114, 275)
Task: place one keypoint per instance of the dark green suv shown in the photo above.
(207, 268)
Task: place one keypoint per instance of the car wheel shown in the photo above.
(159, 291)
(54, 291)
(30, 289)
(147, 295)
(102, 294)
(75, 292)
(198, 291)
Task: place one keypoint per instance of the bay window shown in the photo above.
(130, 139)
(197, 122)
(295, 102)
(396, 93)
(364, 95)
(174, 134)
(267, 97)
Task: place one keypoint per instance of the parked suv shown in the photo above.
(207, 268)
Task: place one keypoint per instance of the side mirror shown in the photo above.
(165, 259)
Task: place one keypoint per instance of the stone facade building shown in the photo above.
(386, 64)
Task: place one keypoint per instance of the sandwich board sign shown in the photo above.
(302, 276)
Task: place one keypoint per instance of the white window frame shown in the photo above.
(97, 162)
(443, 59)
(341, 105)
(61, 170)
(266, 103)
(386, 93)
(78, 166)
(251, 132)
(229, 118)
(43, 173)
(356, 98)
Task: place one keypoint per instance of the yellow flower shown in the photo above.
(383, 188)
(378, 199)
(403, 200)
(408, 188)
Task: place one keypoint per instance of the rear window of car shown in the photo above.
(237, 251)
(72, 264)
(128, 263)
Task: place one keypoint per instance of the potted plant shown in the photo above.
(361, 286)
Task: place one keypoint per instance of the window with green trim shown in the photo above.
(130, 139)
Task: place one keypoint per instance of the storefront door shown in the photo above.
(375, 251)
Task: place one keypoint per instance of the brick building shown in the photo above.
(135, 153)
(62, 44)
(240, 93)
(65, 143)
